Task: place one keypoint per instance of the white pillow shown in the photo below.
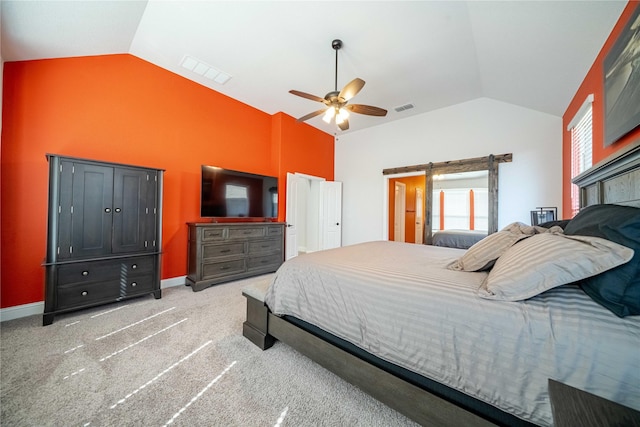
(548, 260)
(483, 253)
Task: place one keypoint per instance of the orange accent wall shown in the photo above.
(593, 84)
(122, 109)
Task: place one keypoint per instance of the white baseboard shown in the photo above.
(24, 310)
(174, 281)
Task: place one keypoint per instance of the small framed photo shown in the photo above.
(544, 214)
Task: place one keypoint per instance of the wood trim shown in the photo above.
(452, 166)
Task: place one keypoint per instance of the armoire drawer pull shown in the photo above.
(134, 284)
(85, 273)
(84, 293)
(134, 266)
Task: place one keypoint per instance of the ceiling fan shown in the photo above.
(336, 102)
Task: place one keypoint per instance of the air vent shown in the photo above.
(403, 107)
(205, 70)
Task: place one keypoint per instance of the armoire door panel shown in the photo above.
(64, 189)
(129, 204)
(151, 214)
(92, 196)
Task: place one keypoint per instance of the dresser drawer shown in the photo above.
(274, 231)
(219, 269)
(246, 232)
(213, 233)
(216, 251)
(270, 245)
(259, 262)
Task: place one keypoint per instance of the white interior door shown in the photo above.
(419, 215)
(399, 210)
(291, 217)
(331, 214)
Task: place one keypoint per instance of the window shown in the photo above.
(581, 144)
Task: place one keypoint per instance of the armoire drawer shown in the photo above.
(86, 293)
(85, 272)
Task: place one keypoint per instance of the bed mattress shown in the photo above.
(399, 302)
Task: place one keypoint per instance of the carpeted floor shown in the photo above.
(180, 360)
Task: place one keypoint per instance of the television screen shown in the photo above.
(232, 194)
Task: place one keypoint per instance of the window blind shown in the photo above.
(581, 128)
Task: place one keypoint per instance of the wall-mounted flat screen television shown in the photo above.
(227, 193)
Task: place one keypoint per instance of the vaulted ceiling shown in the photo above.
(431, 54)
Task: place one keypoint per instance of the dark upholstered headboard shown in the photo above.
(616, 179)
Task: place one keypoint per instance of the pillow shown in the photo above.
(617, 289)
(548, 260)
(482, 255)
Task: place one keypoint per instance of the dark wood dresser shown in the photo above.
(104, 233)
(220, 252)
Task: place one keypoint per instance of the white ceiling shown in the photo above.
(432, 54)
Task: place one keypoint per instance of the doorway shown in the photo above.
(313, 214)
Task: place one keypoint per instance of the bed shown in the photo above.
(442, 359)
(461, 239)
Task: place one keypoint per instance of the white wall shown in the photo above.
(472, 129)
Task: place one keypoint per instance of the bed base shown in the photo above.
(263, 328)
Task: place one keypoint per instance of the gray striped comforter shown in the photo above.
(399, 302)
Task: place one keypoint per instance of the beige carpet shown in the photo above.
(180, 360)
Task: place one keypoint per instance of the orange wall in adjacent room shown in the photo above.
(119, 108)
(593, 84)
(411, 182)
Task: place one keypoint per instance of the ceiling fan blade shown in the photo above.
(307, 95)
(310, 115)
(351, 89)
(366, 109)
(344, 125)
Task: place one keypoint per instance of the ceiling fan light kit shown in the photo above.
(336, 101)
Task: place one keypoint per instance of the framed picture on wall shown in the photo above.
(622, 83)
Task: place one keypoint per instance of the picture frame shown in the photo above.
(544, 214)
(622, 83)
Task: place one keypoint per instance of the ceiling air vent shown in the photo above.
(403, 107)
(205, 70)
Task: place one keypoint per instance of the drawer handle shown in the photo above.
(84, 293)
(224, 267)
(247, 232)
(107, 210)
(134, 266)
(134, 284)
(225, 250)
(118, 210)
(85, 273)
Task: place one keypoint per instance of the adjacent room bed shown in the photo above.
(472, 337)
(461, 239)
